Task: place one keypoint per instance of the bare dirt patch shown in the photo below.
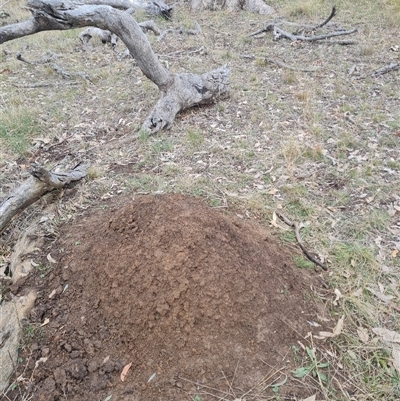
(191, 296)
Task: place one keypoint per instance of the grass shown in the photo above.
(17, 126)
(283, 140)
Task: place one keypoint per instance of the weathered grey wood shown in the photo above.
(63, 15)
(280, 33)
(186, 91)
(179, 91)
(105, 36)
(41, 182)
(155, 7)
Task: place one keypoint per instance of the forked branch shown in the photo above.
(41, 182)
(304, 33)
(179, 91)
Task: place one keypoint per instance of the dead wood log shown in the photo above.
(108, 37)
(41, 182)
(179, 91)
(154, 7)
(93, 32)
(254, 6)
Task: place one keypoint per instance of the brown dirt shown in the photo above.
(206, 302)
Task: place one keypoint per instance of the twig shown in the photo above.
(333, 13)
(48, 58)
(340, 42)
(385, 69)
(41, 84)
(279, 33)
(66, 74)
(269, 27)
(297, 228)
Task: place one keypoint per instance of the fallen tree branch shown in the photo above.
(178, 91)
(332, 14)
(267, 28)
(105, 36)
(48, 58)
(280, 33)
(41, 182)
(385, 69)
(307, 30)
(186, 91)
(150, 25)
(297, 228)
(154, 7)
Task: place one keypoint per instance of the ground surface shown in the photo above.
(312, 133)
(205, 301)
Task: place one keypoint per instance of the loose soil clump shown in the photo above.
(201, 303)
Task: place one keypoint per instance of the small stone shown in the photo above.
(60, 376)
(77, 369)
(93, 366)
(75, 354)
(67, 347)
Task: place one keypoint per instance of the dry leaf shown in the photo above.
(46, 321)
(363, 334)
(274, 223)
(339, 326)
(125, 371)
(336, 331)
(385, 298)
(396, 358)
(50, 259)
(387, 335)
(338, 296)
(41, 360)
(52, 293)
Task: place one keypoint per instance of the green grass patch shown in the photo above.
(17, 126)
(353, 255)
(302, 263)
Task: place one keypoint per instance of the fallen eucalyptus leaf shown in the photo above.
(125, 371)
(387, 335)
(50, 259)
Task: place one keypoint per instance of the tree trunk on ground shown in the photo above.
(41, 182)
(179, 91)
(255, 6)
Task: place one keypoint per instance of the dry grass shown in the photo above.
(323, 147)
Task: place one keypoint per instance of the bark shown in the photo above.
(186, 91)
(41, 182)
(255, 6)
(179, 91)
(155, 7)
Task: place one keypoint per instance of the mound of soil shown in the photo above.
(200, 302)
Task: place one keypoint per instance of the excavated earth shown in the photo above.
(203, 304)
